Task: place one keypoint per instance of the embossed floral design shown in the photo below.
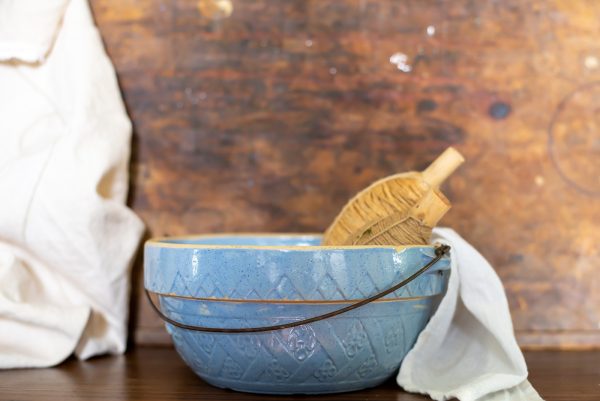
(248, 345)
(277, 371)
(355, 341)
(367, 366)
(326, 371)
(232, 369)
(393, 338)
(302, 342)
(206, 342)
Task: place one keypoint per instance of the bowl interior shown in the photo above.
(248, 240)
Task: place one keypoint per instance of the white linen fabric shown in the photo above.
(28, 28)
(468, 349)
(67, 239)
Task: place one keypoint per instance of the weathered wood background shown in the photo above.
(270, 118)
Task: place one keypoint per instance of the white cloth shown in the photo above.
(67, 239)
(28, 28)
(468, 349)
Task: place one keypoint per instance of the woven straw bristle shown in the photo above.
(381, 199)
(400, 209)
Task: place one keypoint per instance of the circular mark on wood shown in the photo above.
(499, 110)
(426, 105)
(574, 139)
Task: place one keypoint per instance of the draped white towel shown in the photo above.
(66, 237)
(468, 349)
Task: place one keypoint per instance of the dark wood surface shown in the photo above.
(270, 117)
(159, 374)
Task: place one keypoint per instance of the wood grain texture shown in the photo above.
(272, 118)
(159, 374)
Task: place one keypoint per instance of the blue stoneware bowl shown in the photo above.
(248, 280)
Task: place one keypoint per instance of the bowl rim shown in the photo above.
(164, 242)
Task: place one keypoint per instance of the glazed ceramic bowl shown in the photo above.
(233, 281)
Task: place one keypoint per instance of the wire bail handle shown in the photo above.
(440, 252)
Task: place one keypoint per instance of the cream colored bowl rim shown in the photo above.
(165, 242)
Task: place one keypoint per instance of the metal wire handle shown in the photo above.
(440, 251)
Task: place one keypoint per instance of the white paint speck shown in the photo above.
(539, 180)
(333, 70)
(308, 43)
(591, 62)
(430, 30)
(400, 60)
(193, 97)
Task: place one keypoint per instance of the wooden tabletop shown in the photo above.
(158, 374)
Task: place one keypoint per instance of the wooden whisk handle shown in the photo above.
(442, 167)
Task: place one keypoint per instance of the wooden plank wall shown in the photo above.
(270, 117)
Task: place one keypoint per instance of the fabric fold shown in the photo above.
(28, 28)
(40, 324)
(468, 349)
(64, 155)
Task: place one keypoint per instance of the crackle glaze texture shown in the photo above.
(355, 350)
